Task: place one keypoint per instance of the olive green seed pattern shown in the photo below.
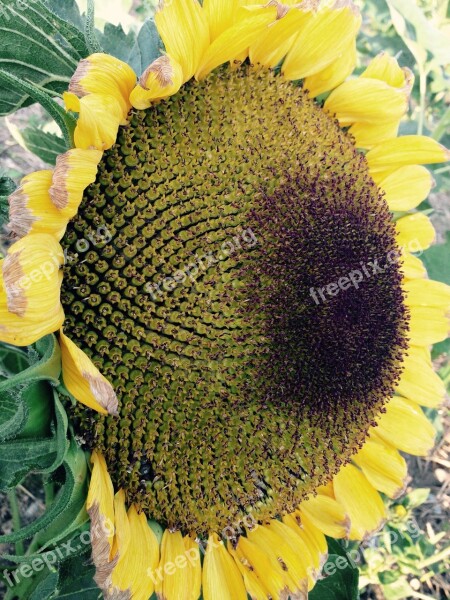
(207, 432)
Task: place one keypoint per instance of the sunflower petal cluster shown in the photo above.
(308, 41)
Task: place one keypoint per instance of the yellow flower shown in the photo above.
(244, 325)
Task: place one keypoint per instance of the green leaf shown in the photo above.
(23, 455)
(12, 360)
(18, 458)
(56, 522)
(341, 584)
(22, 586)
(46, 588)
(38, 397)
(13, 416)
(399, 590)
(416, 497)
(341, 577)
(76, 580)
(26, 410)
(38, 47)
(116, 42)
(30, 395)
(440, 349)
(147, 47)
(7, 186)
(25, 384)
(387, 577)
(428, 36)
(74, 515)
(45, 365)
(47, 146)
(436, 261)
(67, 10)
(445, 376)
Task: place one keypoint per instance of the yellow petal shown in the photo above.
(178, 569)
(30, 284)
(334, 74)
(366, 101)
(275, 42)
(101, 491)
(386, 68)
(427, 293)
(383, 466)
(280, 544)
(412, 267)
(405, 427)
(415, 232)
(31, 275)
(100, 507)
(98, 120)
(419, 382)
(428, 325)
(313, 538)
(316, 538)
(31, 209)
(263, 577)
(234, 40)
(221, 577)
(106, 75)
(403, 151)
(220, 14)
(163, 78)
(184, 29)
(407, 187)
(84, 381)
(327, 515)
(195, 568)
(326, 37)
(134, 569)
(122, 533)
(74, 171)
(368, 135)
(300, 554)
(360, 500)
(326, 490)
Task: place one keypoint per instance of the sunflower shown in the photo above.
(247, 337)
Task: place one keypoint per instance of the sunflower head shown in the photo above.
(200, 308)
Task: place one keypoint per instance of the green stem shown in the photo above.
(442, 555)
(49, 490)
(442, 126)
(442, 170)
(423, 99)
(65, 121)
(89, 29)
(15, 513)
